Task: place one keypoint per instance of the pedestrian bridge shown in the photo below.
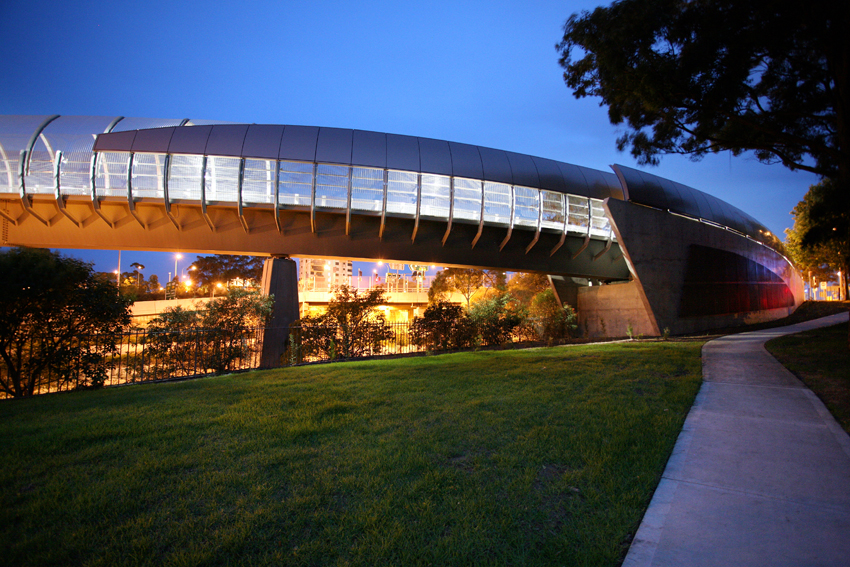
(280, 191)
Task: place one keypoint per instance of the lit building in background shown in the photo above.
(323, 274)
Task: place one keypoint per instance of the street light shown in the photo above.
(217, 285)
(139, 268)
(177, 256)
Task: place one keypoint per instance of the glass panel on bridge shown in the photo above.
(599, 224)
(525, 209)
(367, 188)
(258, 181)
(148, 175)
(497, 203)
(296, 183)
(401, 192)
(332, 186)
(72, 135)
(467, 199)
(435, 196)
(39, 177)
(579, 214)
(110, 174)
(553, 210)
(221, 179)
(184, 177)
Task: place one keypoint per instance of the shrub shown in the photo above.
(443, 326)
(551, 321)
(497, 319)
(351, 327)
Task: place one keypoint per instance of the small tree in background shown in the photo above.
(465, 281)
(58, 321)
(352, 326)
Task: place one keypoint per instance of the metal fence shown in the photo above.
(140, 355)
(134, 356)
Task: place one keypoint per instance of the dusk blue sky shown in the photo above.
(477, 72)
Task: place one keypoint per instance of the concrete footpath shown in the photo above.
(760, 474)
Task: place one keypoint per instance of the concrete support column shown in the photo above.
(565, 289)
(280, 278)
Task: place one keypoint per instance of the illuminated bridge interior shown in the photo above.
(313, 170)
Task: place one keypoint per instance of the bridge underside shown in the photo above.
(74, 222)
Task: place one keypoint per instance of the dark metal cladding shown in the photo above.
(600, 185)
(702, 202)
(639, 192)
(334, 146)
(688, 204)
(522, 166)
(550, 174)
(435, 156)
(466, 161)
(262, 141)
(154, 140)
(369, 149)
(190, 140)
(675, 200)
(226, 140)
(115, 142)
(402, 152)
(495, 165)
(299, 143)
(574, 180)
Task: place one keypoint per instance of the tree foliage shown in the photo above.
(224, 267)
(708, 76)
(524, 286)
(552, 322)
(59, 321)
(818, 242)
(443, 326)
(497, 319)
(465, 281)
(352, 326)
(183, 342)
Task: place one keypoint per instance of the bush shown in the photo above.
(351, 327)
(180, 342)
(443, 326)
(552, 322)
(497, 319)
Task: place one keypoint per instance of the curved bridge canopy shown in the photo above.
(153, 184)
(686, 261)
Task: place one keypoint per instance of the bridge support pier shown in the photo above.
(280, 278)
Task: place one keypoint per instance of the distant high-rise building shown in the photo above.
(321, 273)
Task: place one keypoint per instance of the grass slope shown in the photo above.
(821, 360)
(538, 457)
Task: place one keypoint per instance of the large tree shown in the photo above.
(818, 243)
(223, 268)
(714, 75)
(58, 321)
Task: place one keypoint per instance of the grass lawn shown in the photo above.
(821, 360)
(538, 457)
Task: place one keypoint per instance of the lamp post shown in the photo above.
(177, 256)
(138, 267)
(217, 285)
